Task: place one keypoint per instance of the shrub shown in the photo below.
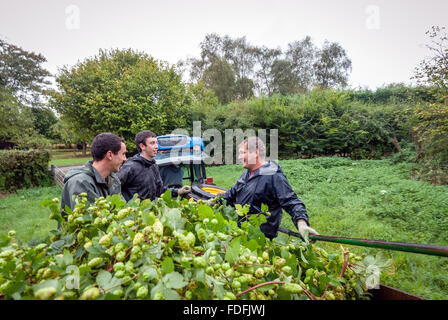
(24, 169)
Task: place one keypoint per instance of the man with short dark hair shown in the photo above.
(263, 182)
(140, 174)
(97, 177)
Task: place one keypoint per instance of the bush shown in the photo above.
(318, 123)
(24, 169)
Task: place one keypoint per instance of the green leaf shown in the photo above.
(174, 280)
(107, 282)
(252, 244)
(147, 218)
(233, 250)
(152, 273)
(173, 219)
(4, 240)
(156, 250)
(264, 208)
(103, 278)
(167, 196)
(199, 275)
(205, 211)
(57, 245)
(170, 294)
(167, 265)
(45, 203)
(116, 201)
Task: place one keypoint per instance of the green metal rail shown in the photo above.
(379, 244)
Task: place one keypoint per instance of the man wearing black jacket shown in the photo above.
(263, 182)
(140, 174)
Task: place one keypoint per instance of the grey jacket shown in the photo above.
(88, 180)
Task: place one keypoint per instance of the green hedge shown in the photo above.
(318, 123)
(24, 169)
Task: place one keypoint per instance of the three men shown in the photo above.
(140, 174)
(97, 177)
(263, 182)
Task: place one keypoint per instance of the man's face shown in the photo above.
(150, 150)
(118, 159)
(249, 159)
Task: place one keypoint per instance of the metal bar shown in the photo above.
(379, 244)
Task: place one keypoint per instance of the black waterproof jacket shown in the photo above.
(267, 186)
(142, 176)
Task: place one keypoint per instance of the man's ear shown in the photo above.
(141, 145)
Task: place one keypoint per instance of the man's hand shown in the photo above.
(211, 202)
(184, 190)
(304, 230)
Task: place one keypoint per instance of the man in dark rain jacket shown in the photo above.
(263, 182)
(96, 178)
(140, 174)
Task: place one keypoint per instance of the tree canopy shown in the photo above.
(23, 84)
(235, 69)
(121, 91)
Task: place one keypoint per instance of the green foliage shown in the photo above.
(345, 198)
(430, 131)
(121, 91)
(15, 119)
(21, 212)
(43, 119)
(22, 73)
(174, 249)
(23, 82)
(24, 169)
(318, 123)
(233, 68)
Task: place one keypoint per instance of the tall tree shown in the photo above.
(22, 73)
(241, 56)
(220, 77)
(302, 56)
(15, 119)
(284, 80)
(332, 66)
(431, 128)
(265, 58)
(121, 91)
(433, 71)
(23, 82)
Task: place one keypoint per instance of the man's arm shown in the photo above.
(288, 199)
(231, 194)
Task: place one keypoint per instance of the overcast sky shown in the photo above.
(384, 39)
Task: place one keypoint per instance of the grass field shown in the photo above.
(68, 157)
(347, 198)
(69, 162)
(21, 212)
(372, 199)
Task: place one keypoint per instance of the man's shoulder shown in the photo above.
(78, 174)
(270, 169)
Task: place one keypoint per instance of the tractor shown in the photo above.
(181, 157)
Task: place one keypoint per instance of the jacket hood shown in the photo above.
(86, 169)
(142, 160)
(269, 169)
